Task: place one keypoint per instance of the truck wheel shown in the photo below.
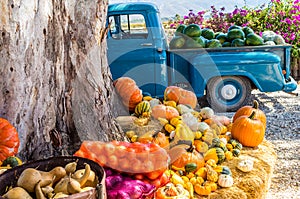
(228, 93)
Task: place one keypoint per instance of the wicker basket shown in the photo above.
(10, 177)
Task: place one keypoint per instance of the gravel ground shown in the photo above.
(283, 130)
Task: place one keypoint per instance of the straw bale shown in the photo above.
(253, 184)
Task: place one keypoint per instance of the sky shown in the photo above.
(169, 8)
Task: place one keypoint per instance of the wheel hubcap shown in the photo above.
(228, 92)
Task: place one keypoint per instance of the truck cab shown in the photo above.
(138, 48)
(137, 45)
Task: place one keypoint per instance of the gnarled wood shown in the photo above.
(55, 78)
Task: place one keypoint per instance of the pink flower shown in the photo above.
(236, 11)
(288, 21)
(296, 18)
(292, 36)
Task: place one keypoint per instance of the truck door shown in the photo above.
(131, 50)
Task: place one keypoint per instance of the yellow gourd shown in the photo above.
(212, 175)
(213, 185)
(228, 155)
(202, 172)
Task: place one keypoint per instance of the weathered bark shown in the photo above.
(55, 78)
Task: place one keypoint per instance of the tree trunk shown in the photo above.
(56, 87)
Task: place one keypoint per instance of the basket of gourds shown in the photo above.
(66, 177)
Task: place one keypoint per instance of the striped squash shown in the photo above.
(142, 107)
(216, 154)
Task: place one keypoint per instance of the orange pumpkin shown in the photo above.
(248, 130)
(247, 110)
(9, 139)
(180, 96)
(129, 92)
(163, 111)
(202, 190)
(189, 156)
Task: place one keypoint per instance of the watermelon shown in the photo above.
(208, 33)
(234, 27)
(247, 30)
(192, 30)
(226, 44)
(222, 37)
(253, 39)
(235, 34)
(213, 43)
(177, 42)
(194, 42)
(237, 43)
(179, 29)
(217, 33)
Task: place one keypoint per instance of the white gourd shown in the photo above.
(245, 165)
(225, 180)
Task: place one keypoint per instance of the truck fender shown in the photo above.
(244, 74)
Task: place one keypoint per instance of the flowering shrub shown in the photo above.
(280, 16)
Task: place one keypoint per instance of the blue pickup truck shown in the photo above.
(138, 48)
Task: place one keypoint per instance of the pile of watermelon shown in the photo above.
(192, 36)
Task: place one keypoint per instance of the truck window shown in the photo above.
(130, 26)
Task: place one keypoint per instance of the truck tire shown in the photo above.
(228, 93)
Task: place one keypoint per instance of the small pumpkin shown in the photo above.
(189, 156)
(180, 96)
(162, 111)
(248, 130)
(247, 110)
(129, 92)
(245, 165)
(9, 139)
(202, 190)
(225, 180)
